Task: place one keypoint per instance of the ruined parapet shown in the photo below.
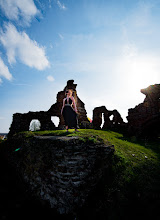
(97, 116)
(21, 122)
(117, 119)
(144, 119)
(56, 108)
(58, 170)
(100, 112)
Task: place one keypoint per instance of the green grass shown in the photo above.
(131, 155)
(134, 179)
(85, 135)
(135, 173)
(132, 152)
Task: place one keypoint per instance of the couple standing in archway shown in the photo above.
(69, 110)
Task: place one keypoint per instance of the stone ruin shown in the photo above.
(98, 113)
(144, 119)
(21, 122)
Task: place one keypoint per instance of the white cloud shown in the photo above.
(19, 45)
(19, 10)
(4, 72)
(61, 5)
(61, 36)
(50, 78)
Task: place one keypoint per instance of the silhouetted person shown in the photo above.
(69, 111)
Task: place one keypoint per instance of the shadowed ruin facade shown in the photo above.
(144, 119)
(108, 123)
(21, 122)
(55, 109)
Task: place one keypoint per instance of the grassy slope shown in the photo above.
(135, 172)
(138, 160)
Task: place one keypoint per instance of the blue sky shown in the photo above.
(111, 48)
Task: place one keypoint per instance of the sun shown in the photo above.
(141, 71)
(144, 74)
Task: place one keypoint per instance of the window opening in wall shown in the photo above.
(35, 125)
(111, 117)
(102, 121)
(55, 120)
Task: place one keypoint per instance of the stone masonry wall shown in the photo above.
(144, 119)
(60, 170)
(21, 121)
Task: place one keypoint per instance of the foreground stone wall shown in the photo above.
(62, 171)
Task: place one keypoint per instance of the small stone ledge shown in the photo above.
(61, 138)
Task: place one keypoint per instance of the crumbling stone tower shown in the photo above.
(21, 122)
(55, 109)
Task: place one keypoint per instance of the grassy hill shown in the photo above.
(133, 185)
(132, 188)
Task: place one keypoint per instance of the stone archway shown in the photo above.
(35, 125)
(102, 120)
(111, 118)
(55, 120)
(98, 112)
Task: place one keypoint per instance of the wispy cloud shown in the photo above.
(61, 36)
(22, 11)
(61, 5)
(50, 78)
(4, 71)
(19, 45)
(142, 14)
(49, 1)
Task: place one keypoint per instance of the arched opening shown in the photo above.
(35, 125)
(55, 120)
(102, 121)
(111, 118)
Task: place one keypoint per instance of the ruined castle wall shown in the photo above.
(21, 122)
